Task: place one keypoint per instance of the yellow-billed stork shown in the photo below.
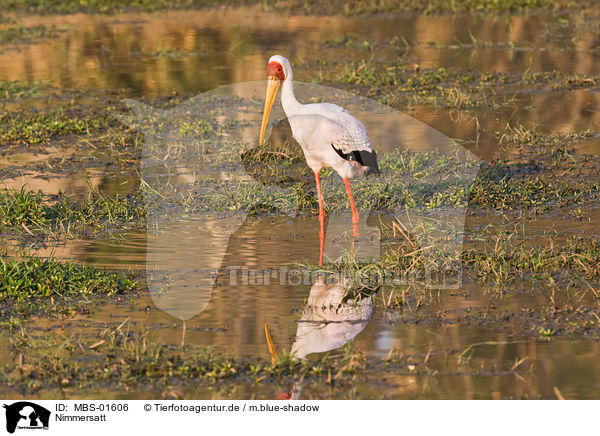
(327, 133)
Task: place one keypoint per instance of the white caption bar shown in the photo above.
(159, 417)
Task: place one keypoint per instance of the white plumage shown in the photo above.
(321, 128)
(327, 133)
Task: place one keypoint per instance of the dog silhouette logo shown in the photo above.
(26, 415)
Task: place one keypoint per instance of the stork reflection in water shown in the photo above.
(334, 315)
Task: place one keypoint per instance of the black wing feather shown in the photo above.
(363, 157)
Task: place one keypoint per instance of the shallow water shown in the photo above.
(193, 52)
(234, 324)
(434, 336)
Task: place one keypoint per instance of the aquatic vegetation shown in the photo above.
(26, 127)
(357, 7)
(26, 35)
(530, 192)
(32, 283)
(63, 215)
(496, 258)
(414, 180)
(406, 84)
(578, 258)
(125, 359)
(18, 90)
(417, 180)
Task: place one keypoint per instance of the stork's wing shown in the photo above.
(348, 134)
(352, 136)
(349, 139)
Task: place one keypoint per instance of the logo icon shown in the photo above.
(26, 415)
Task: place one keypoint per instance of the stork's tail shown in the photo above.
(368, 159)
(372, 171)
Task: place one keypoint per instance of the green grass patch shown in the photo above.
(404, 84)
(578, 258)
(17, 90)
(124, 359)
(31, 284)
(501, 261)
(103, 6)
(27, 126)
(26, 35)
(358, 7)
(410, 180)
(538, 191)
(64, 215)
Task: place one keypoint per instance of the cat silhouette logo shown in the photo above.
(26, 415)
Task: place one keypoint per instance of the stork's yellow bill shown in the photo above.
(275, 75)
(272, 88)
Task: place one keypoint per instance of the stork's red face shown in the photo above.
(274, 69)
(275, 76)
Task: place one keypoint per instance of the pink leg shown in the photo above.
(354, 212)
(321, 218)
(320, 195)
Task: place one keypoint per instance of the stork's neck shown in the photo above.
(291, 106)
